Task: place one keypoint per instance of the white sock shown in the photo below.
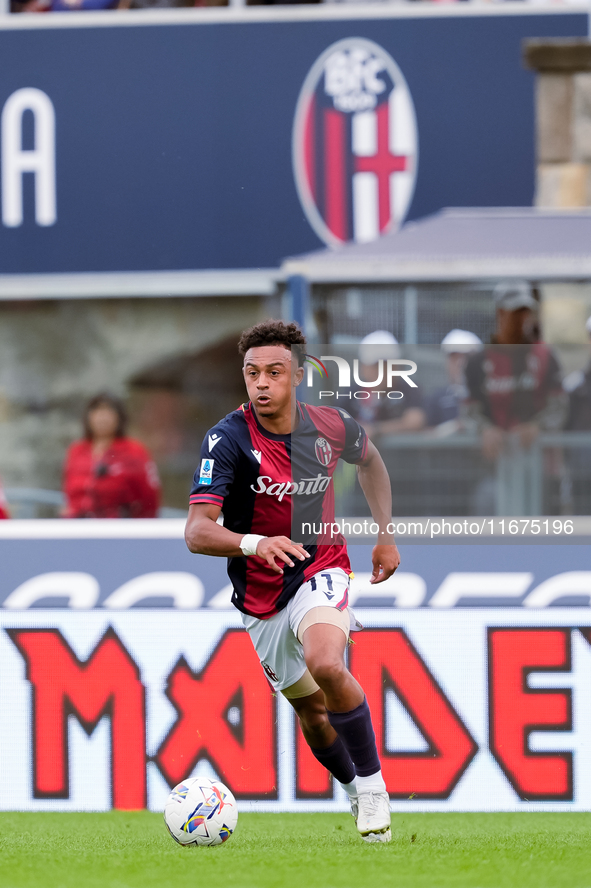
(373, 783)
(350, 788)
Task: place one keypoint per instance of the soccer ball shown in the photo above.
(200, 812)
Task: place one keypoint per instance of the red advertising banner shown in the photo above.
(474, 709)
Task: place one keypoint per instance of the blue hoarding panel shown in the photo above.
(173, 143)
(63, 563)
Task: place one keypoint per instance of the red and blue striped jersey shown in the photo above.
(278, 485)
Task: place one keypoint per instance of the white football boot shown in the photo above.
(373, 817)
(354, 802)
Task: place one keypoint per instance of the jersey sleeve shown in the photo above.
(356, 440)
(216, 470)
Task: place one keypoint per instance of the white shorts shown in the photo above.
(276, 640)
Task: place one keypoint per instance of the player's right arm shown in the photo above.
(212, 482)
(204, 536)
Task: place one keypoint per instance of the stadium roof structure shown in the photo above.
(463, 244)
(144, 284)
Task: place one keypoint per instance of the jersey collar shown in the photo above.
(249, 410)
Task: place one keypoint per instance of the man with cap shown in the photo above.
(514, 384)
(516, 314)
(444, 405)
(379, 415)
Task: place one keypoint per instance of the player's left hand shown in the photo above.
(385, 560)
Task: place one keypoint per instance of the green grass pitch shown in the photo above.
(133, 850)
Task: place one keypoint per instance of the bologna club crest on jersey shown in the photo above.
(269, 671)
(355, 143)
(323, 451)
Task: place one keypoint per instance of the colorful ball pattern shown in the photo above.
(200, 811)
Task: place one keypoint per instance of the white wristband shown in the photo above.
(249, 543)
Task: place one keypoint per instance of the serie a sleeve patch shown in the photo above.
(206, 472)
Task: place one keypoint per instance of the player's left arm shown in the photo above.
(375, 483)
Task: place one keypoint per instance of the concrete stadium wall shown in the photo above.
(54, 355)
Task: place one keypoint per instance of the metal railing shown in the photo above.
(35, 502)
(433, 476)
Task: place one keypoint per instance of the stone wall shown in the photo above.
(563, 121)
(55, 355)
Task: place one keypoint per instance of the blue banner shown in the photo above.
(159, 147)
(123, 564)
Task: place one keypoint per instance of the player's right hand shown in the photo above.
(282, 548)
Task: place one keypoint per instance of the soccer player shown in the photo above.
(293, 597)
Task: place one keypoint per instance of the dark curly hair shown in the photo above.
(274, 332)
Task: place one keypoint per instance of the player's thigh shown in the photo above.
(322, 600)
(325, 644)
(280, 654)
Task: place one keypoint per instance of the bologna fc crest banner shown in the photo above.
(474, 710)
(308, 133)
(355, 143)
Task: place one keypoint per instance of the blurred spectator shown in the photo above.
(279, 2)
(378, 414)
(444, 405)
(3, 505)
(514, 384)
(75, 5)
(61, 5)
(167, 4)
(578, 387)
(106, 474)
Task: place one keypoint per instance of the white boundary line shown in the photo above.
(264, 14)
(93, 529)
(174, 529)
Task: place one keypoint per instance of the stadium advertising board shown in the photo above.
(177, 146)
(110, 702)
(119, 564)
(474, 710)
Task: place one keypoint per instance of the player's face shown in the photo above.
(270, 378)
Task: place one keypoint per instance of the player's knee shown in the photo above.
(327, 671)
